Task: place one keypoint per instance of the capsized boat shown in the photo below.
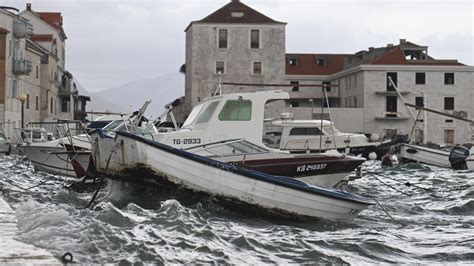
(228, 117)
(164, 165)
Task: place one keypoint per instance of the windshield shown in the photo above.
(192, 116)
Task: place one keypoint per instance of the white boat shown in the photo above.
(164, 165)
(5, 146)
(457, 157)
(50, 155)
(304, 136)
(228, 117)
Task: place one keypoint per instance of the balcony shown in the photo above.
(22, 28)
(21, 66)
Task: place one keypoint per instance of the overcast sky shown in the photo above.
(114, 42)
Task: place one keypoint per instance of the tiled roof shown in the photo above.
(244, 15)
(307, 64)
(54, 19)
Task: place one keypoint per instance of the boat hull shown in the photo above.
(197, 173)
(421, 154)
(52, 159)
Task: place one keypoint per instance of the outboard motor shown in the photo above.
(458, 156)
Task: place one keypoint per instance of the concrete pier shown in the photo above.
(13, 251)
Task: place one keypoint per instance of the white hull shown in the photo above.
(421, 154)
(51, 159)
(216, 179)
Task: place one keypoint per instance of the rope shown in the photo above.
(102, 178)
(405, 193)
(390, 216)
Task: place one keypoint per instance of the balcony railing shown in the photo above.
(22, 29)
(21, 66)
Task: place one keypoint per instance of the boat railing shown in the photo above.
(233, 145)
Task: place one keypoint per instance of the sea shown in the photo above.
(424, 215)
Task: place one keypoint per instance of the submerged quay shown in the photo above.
(13, 251)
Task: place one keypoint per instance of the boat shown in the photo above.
(221, 119)
(163, 165)
(50, 155)
(5, 146)
(306, 136)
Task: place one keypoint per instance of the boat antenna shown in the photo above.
(219, 85)
(329, 113)
(322, 115)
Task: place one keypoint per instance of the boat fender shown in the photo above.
(374, 137)
(372, 156)
(67, 257)
(458, 156)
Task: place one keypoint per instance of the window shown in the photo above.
(64, 104)
(393, 76)
(207, 113)
(296, 86)
(36, 103)
(257, 68)
(27, 101)
(255, 39)
(236, 110)
(448, 103)
(293, 61)
(449, 136)
(237, 14)
(37, 71)
(321, 62)
(420, 78)
(294, 104)
(449, 78)
(305, 131)
(222, 43)
(448, 120)
(419, 102)
(327, 85)
(391, 106)
(51, 106)
(14, 88)
(220, 67)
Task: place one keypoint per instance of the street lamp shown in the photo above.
(22, 98)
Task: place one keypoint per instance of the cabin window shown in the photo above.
(305, 131)
(207, 113)
(449, 78)
(255, 39)
(192, 116)
(420, 78)
(222, 42)
(236, 110)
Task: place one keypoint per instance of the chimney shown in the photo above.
(28, 6)
(371, 49)
(389, 44)
(402, 41)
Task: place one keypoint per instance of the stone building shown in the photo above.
(246, 46)
(32, 62)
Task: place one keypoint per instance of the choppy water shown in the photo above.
(129, 225)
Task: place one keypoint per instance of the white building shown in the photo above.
(249, 47)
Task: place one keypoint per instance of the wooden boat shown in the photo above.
(164, 165)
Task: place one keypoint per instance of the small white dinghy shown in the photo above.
(163, 164)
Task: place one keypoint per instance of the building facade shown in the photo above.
(238, 44)
(32, 64)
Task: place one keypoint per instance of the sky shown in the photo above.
(111, 43)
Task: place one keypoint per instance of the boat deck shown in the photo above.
(13, 251)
